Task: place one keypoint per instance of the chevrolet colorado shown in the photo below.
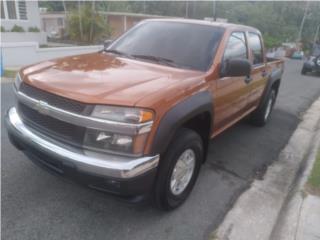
(136, 117)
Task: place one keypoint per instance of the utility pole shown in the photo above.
(316, 35)
(214, 12)
(303, 20)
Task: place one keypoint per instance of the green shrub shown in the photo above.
(17, 28)
(271, 41)
(33, 29)
(3, 29)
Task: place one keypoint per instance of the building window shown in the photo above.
(2, 10)
(22, 10)
(14, 9)
(11, 7)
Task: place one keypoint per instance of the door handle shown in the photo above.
(247, 79)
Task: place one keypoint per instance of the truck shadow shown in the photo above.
(245, 151)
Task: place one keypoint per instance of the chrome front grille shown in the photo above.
(54, 100)
(62, 131)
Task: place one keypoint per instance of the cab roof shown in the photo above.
(230, 26)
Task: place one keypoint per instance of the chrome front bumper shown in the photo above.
(85, 161)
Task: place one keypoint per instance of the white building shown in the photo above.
(24, 14)
(21, 13)
(22, 48)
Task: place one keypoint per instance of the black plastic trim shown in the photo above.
(273, 77)
(178, 115)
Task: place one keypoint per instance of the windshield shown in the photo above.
(181, 45)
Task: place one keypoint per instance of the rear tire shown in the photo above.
(262, 114)
(178, 170)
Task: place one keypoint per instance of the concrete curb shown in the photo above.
(256, 212)
(287, 225)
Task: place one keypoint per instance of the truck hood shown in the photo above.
(103, 78)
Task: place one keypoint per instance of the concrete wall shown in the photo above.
(122, 22)
(117, 24)
(33, 17)
(25, 53)
(40, 37)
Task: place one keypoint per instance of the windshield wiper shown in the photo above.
(161, 60)
(118, 52)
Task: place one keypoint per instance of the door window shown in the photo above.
(256, 48)
(236, 47)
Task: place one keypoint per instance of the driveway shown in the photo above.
(38, 205)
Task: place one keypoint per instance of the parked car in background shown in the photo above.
(137, 117)
(298, 55)
(313, 62)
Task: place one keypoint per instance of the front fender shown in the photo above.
(178, 115)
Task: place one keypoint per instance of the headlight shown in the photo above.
(122, 114)
(114, 142)
(318, 61)
(17, 81)
(99, 140)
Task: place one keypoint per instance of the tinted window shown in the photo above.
(236, 46)
(186, 45)
(256, 48)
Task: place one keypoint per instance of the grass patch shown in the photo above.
(314, 178)
(10, 73)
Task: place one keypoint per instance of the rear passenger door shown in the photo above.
(259, 71)
(232, 94)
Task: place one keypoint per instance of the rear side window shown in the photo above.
(236, 47)
(256, 48)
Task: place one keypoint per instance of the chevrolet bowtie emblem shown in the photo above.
(42, 107)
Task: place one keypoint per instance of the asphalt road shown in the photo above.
(38, 205)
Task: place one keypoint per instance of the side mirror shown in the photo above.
(107, 43)
(236, 68)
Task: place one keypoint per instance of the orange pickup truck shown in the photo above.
(135, 118)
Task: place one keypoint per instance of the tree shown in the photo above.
(86, 25)
(278, 21)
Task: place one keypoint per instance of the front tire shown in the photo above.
(178, 170)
